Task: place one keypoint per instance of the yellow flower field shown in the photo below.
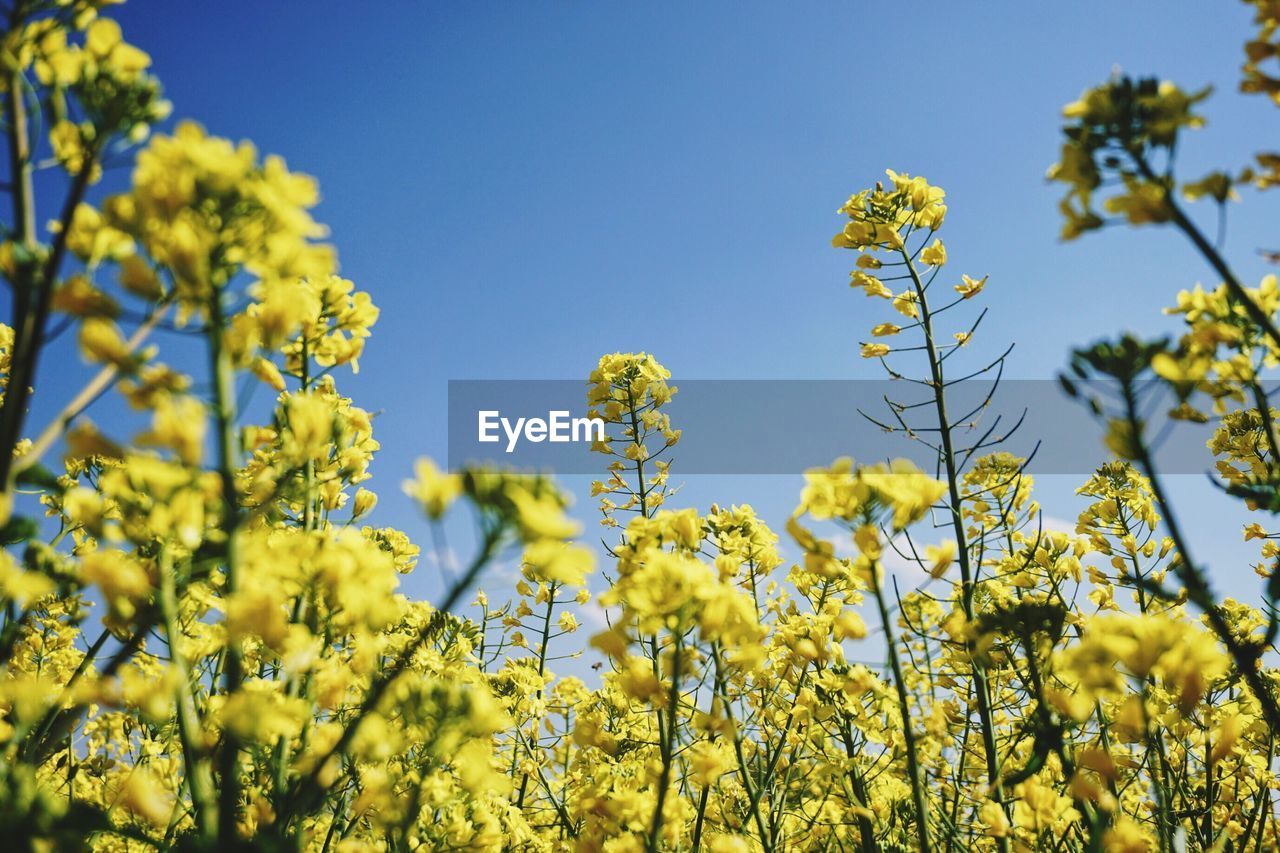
(205, 642)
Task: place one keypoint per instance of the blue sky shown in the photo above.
(524, 186)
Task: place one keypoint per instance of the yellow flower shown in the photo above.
(363, 503)
(1179, 655)
(69, 149)
(1226, 736)
(20, 585)
(540, 516)
(143, 794)
(125, 583)
(871, 286)
(708, 761)
(940, 557)
(994, 819)
(552, 560)
(178, 424)
(971, 287)
(101, 341)
(867, 538)
(613, 643)
(1127, 836)
(906, 304)
(934, 255)
(140, 279)
(849, 626)
(433, 489)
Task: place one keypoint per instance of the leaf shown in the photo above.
(38, 476)
(19, 529)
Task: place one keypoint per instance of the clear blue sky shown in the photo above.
(523, 186)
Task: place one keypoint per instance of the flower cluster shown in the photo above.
(205, 642)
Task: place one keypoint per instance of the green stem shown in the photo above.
(225, 423)
(702, 813)
(908, 733)
(1206, 249)
(866, 830)
(753, 796)
(967, 585)
(197, 775)
(542, 668)
(668, 746)
(1193, 579)
(1164, 820)
(32, 280)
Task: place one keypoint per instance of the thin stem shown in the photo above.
(904, 708)
(668, 746)
(30, 319)
(1211, 254)
(1197, 586)
(967, 584)
(542, 668)
(90, 392)
(198, 780)
(224, 420)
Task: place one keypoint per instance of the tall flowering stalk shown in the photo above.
(899, 223)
